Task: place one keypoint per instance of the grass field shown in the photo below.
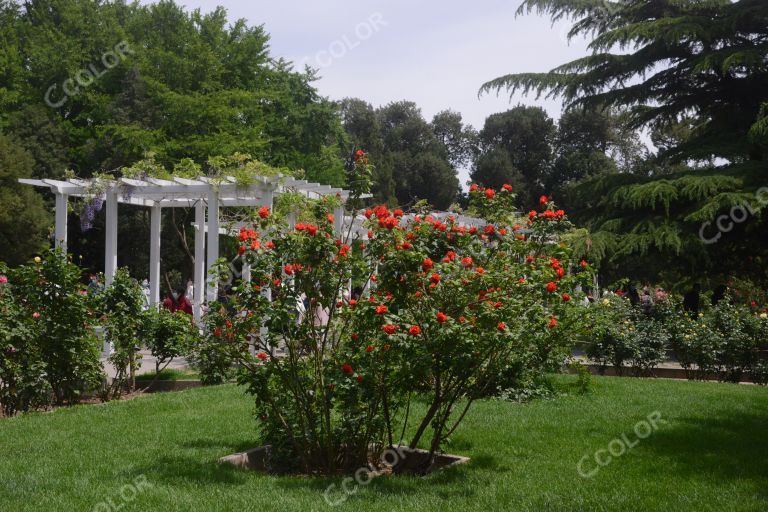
(159, 452)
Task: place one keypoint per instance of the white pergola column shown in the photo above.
(61, 222)
(110, 242)
(213, 245)
(155, 223)
(338, 221)
(199, 277)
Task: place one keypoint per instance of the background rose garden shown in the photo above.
(447, 314)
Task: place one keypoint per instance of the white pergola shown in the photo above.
(203, 194)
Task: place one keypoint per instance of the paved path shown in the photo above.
(147, 364)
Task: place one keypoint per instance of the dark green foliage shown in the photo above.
(414, 159)
(693, 73)
(190, 85)
(23, 219)
(516, 148)
(167, 335)
(119, 306)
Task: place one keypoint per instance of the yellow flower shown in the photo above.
(701, 315)
(37, 259)
(606, 302)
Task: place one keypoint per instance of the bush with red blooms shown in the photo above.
(446, 310)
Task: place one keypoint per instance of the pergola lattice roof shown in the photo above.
(202, 193)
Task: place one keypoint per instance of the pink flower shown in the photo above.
(35, 315)
(3, 279)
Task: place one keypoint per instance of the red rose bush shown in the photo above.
(448, 310)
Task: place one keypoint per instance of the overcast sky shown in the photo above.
(435, 53)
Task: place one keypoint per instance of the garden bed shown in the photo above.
(398, 459)
(662, 373)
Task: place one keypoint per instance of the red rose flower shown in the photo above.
(415, 330)
(435, 278)
(501, 326)
(566, 297)
(241, 250)
(380, 310)
(369, 348)
(359, 378)
(263, 212)
(543, 200)
(389, 329)
(583, 264)
(467, 261)
(427, 264)
(347, 368)
(552, 323)
(262, 356)
(441, 317)
(507, 187)
(551, 287)
(489, 193)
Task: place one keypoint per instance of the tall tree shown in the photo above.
(94, 86)
(459, 140)
(526, 135)
(414, 159)
(665, 62)
(23, 219)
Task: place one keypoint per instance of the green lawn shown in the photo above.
(712, 455)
